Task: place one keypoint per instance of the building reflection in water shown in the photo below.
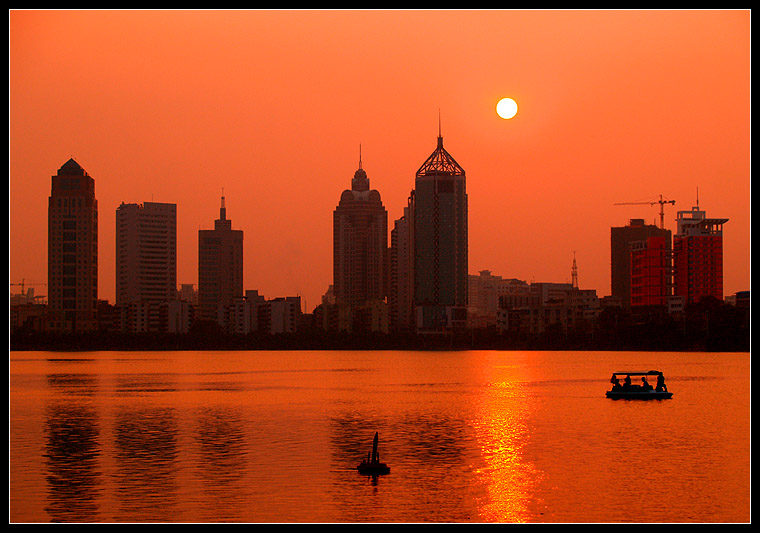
(503, 431)
(72, 450)
(222, 463)
(145, 453)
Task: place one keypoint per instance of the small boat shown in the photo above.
(628, 391)
(372, 466)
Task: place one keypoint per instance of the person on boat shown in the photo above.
(615, 382)
(645, 384)
(627, 383)
(661, 384)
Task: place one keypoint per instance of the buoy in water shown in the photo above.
(372, 466)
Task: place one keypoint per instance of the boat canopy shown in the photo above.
(647, 373)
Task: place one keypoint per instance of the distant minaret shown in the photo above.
(575, 273)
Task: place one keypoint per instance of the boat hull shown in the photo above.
(639, 395)
(373, 469)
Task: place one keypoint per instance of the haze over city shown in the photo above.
(271, 107)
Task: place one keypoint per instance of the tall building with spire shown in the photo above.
(72, 251)
(440, 243)
(220, 267)
(360, 248)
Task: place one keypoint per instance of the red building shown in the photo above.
(698, 256)
(650, 271)
(621, 241)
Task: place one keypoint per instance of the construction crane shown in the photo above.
(23, 283)
(662, 207)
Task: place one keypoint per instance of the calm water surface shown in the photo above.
(479, 436)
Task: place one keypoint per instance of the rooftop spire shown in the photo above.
(440, 137)
(360, 182)
(440, 161)
(222, 223)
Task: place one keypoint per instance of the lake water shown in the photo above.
(471, 436)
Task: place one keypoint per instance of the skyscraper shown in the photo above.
(220, 266)
(146, 253)
(401, 265)
(72, 251)
(698, 256)
(621, 241)
(360, 246)
(440, 243)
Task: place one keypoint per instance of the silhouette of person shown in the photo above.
(645, 384)
(615, 382)
(627, 382)
(661, 384)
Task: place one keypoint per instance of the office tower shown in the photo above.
(401, 275)
(220, 267)
(146, 253)
(621, 240)
(651, 272)
(440, 243)
(698, 256)
(72, 251)
(360, 246)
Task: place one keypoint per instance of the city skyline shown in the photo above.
(541, 185)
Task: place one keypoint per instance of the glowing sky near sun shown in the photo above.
(173, 106)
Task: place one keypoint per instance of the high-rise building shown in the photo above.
(360, 246)
(401, 275)
(651, 272)
(621, 241)
(72, 251)
(698, 256)
(146, 253)
(220, 267)
(440, 243)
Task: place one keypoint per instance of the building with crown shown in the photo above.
(360, 248)
(440, 243)
(72, 251)
(220, 268)
(698, 256)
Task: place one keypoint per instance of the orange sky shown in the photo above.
(615, 106)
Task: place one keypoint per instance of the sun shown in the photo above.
(506, 108)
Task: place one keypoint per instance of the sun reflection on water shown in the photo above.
(502, 430)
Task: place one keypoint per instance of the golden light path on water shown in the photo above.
(502, 432)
